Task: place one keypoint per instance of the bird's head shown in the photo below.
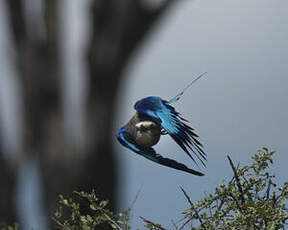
(146, 133)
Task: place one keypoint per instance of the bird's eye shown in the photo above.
(143, 128)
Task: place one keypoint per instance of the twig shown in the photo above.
(112, 221)
(187, 197)
(59, 224)
(183, 225)
(210, 209)
(174, 225)
(218, 210)
(135, 199)
(192, 207)
(153, 224)
(268, 190)
(237, 180)
(236, 201)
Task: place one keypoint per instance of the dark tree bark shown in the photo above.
(7, 178)
(118, 28)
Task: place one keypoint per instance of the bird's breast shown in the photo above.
(147, 133)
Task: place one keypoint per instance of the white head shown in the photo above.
(147, 133)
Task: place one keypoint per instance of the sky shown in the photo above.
(237, 108)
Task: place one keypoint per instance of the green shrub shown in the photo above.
(98, 214)
(9, 227)
(249, 200)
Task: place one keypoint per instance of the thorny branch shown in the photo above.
(152, 223)
(237, 180)
(192, 207)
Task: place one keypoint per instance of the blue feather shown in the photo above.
(178, 96)
(165, 115)
(127, 140)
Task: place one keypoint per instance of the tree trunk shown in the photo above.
(117, 29)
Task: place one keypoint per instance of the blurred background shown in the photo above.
(71, 71)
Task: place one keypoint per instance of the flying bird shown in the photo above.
(155, 117)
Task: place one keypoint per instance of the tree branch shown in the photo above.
(153, 224)
(192, 207)
(237, 180)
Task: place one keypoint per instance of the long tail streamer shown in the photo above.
(178, 96)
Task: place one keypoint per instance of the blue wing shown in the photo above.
(165, 115)
(126, 139)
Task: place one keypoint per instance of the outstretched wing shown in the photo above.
(165, 115)
(126, 139)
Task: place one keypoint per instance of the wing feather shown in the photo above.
(165, 115)
(126, 139)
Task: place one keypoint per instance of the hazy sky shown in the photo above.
(239, 107)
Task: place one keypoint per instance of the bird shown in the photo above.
(155, 117)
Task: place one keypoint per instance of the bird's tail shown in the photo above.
(178, 96)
